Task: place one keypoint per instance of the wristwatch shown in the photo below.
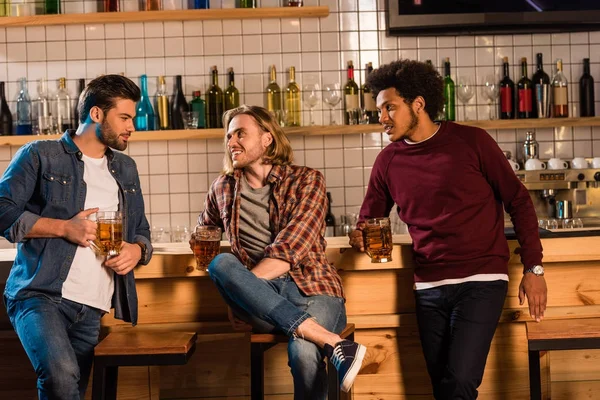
(144, 250)
(537, 270)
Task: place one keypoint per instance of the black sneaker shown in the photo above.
(347, 357)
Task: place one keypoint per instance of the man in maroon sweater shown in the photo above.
(451, 184)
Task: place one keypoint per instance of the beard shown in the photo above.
(414, 122)
(109, 137)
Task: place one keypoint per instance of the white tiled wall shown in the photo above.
(175, 175)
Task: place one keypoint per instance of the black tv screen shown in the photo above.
(452, 17)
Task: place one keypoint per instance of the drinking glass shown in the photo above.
(490, 91)
(180, 233)
(377, 237)
(465, 90)
(332, 97)
(207, 243)
(190, 119)
(310, 93)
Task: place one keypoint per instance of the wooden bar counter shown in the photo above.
(173, 295)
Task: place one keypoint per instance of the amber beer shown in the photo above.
(109, 232)
(207, 244)
(377, 237)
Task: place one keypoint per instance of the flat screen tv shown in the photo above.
(465, 17)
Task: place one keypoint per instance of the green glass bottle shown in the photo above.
(293, 105)
(273, 96)
(51, 7)
(198, 104)
(214, 102)
(351, 104)
(449, 99)
(232, 95)
(247, 4)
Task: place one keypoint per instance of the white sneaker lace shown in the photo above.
(338, 357)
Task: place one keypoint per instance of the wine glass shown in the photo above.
(310, 92)
(490, 91)
(332, 96)
(465, 90)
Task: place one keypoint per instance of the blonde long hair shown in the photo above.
(279, 151)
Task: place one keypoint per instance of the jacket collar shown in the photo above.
(71, 148)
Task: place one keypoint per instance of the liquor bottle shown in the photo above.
(162, 104)
(111, 5)
(6, 122)
(179, 105)
(232, 95)
(368, 102)
(329, 219)
(560, 93)
(295, 3)
(525, 92)
(247, 3)
(80, 88)
(293, 105)
(273, 96)
(144, 114)
(154, 5)
(23, 110)
(197, 104)
(507, 94)
(199, 4)
(63, 106)
(586, 91)
(540, 78)
(42, 110)
(52, 7)
(449, 99)
(351, 102)
(214, 102)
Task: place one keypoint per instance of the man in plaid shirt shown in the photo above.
(277, 277)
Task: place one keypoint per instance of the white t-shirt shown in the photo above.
(89, 282)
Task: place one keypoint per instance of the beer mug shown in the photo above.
(377, 237)
(109, 233)
(207, 243)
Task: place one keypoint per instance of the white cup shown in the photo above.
(557, 163)
(579, 163)
(533, 164)
(515, 165)
(596, 162)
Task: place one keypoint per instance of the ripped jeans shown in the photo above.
(278, 305)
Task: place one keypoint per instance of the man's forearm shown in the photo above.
(47, 228)
(271, 268)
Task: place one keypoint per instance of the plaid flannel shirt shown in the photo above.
(297, 210)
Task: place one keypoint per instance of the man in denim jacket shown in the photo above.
(58, 288)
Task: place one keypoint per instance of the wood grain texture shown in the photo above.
(136, 342)
(557, 329)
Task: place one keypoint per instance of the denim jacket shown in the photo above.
(45, 179)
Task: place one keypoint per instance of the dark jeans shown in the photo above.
(59, 339)
(456, 326)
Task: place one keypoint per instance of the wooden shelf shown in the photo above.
(167, 15)
(192, 134)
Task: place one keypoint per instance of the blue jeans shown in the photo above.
(59, 338)
(278, 305)
(456, 326)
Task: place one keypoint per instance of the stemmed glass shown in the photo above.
(465, 90)
(490, 91)
(332, 96)
(310, 93)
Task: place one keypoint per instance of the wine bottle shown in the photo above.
(111, 6)
(586, 91)
(293, 105)
(42, 110)
(162, 104)
(197, 104)
(232, 95)
(449, 98)
(214, 102)
(6, 122)
(273, 96)
(154, 5)
(351, 102)
(23, 109)
(329, 219)
(295, 3)
(368, 102)
(507, 94)
(199, 4)
(144, 114)
(560, 93)
(247, 3)
(525, 92)
(179, 105)
(80, 88)
(63, 106)
(52, 7)
(540, 78)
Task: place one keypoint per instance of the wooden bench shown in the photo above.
(261, 342)
(572, 334)
(135, 348)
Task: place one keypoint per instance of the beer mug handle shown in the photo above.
(95, 247)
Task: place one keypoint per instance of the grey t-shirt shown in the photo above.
(254, 226)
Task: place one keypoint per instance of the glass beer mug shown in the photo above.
(377, 237)
(207, 244)
(109, 233)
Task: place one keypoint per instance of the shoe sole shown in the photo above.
(346, 384)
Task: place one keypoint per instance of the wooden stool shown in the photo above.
(572, 334)
(259, 343)
(135, 348)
